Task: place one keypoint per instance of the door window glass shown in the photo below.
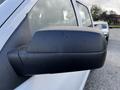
(85, 15)
(47, 13)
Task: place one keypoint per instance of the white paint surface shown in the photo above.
(64, 81)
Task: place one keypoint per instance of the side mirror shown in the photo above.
(60, 50)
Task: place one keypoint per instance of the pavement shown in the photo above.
(108, 77)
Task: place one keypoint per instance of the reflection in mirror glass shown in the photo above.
(47, 13)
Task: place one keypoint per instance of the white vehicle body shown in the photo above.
(102, 25)
(9, 21)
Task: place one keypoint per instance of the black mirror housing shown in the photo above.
(60, 50)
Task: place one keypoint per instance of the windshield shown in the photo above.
(48, 13)
(104, 26)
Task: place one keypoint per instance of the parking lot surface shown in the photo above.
(108, 77)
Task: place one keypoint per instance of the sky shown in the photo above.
(105, 4)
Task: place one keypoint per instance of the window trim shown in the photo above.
(16, 18)
(88, 12)
(75, 12)
(1, 2)
(6, 5)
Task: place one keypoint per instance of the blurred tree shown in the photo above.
(112, 12)
(103, 16)
(110, 16)
(96, 12)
